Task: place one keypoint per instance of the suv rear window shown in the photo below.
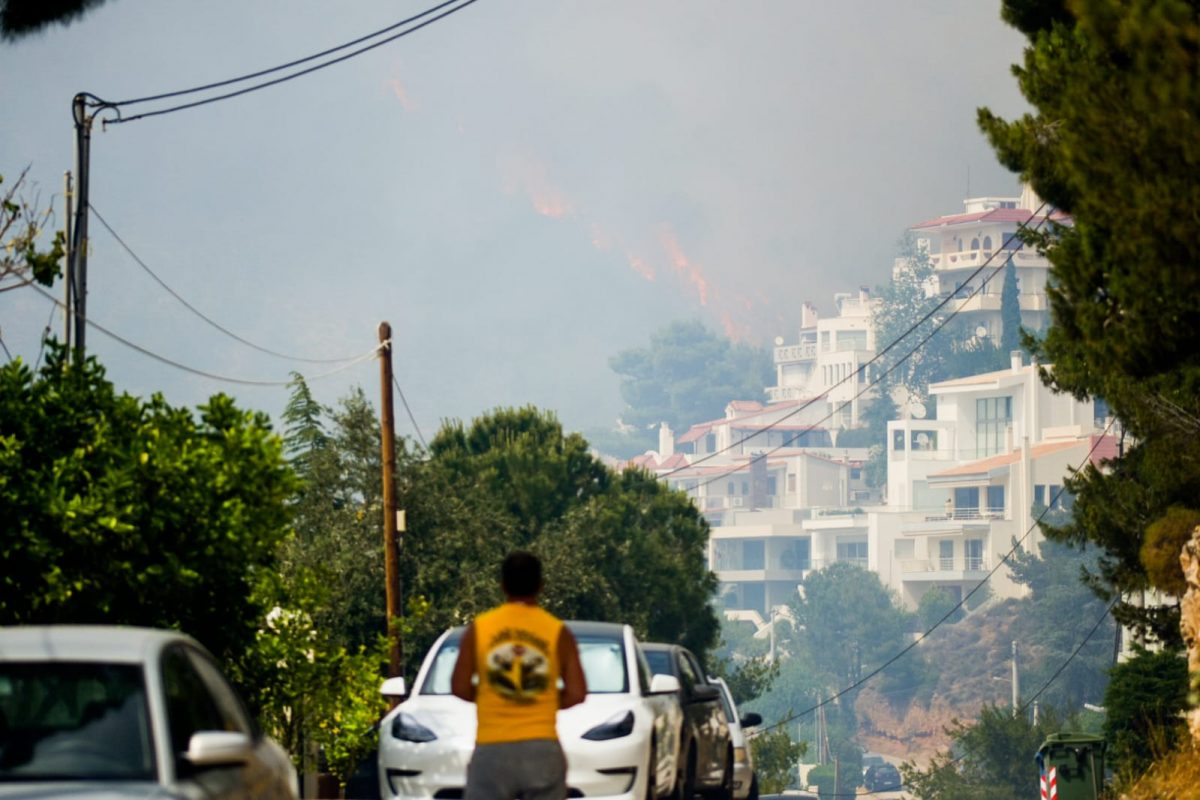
(74, 721)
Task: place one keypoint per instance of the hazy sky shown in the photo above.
(522, 189)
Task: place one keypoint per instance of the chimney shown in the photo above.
(864, 294)
(1015, 355)
(666, 441)
(808, 316)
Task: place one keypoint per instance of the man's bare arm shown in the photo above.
(464, 668)
(574, 683)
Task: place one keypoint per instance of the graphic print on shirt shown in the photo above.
(518, 667)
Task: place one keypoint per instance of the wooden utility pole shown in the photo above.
(391, 542)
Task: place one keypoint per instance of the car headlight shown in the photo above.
(406, 728)
(614, 728)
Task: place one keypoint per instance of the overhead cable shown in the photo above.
(193, 370)
(288, 65)
(408, 411)
(96, 102)
(891, 345)
(204, 316)
(945, 617)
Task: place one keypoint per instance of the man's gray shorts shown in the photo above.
(535, 769)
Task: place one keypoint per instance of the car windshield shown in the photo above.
(602, 657)
(74, 721)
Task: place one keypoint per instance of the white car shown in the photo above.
(745, 782)
(620, 742)
(108, 712)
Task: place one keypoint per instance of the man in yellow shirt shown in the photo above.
(509, 665)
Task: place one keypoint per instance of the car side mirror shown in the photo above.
(750, 720)
(394, 687)
(703, 692)
(218, 748)
(664, 684)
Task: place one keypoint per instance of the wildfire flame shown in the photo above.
(683, 266)
(530, 176)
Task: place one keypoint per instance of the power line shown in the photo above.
(1065, 664)
(288, 65)
(193, 370)
(102, 104)
(408, 410)
(894, 343)
(957, 606)
(137, 259)
(2, 344)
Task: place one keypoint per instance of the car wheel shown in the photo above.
(652, 775)
(725, 790)
(689, 781)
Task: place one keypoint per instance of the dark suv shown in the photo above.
(705, 750)
(881, 778)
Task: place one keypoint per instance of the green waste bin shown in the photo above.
(1071, 766)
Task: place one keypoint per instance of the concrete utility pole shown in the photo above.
(78, 247)
(68, 284)
(1016, 682)
(391, 541)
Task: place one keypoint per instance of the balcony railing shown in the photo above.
(918, 566)
(968, 513)
(795, 352)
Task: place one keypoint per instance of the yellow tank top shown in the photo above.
(516, 658)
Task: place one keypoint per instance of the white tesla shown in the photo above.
(621, 742)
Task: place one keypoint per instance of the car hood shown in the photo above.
(449, 717)
(84, 790)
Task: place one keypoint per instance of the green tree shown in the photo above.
(616, 546)
(123, 510)
(935, 605)
(1145, 698)
(1115, 118)
(687, 374)
(20, 18)
(22, 230)
(1052, 621)
(1010, 311)
(991, 759)
(776, 757)
(849, 623)
(338, 512)
(742, 660)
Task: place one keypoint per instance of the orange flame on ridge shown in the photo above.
(683, 266)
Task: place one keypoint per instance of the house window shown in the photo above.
(987, 243)
(966, 503)
(753, 554)
(924, 440)
(731, 489)
(975, 244)
(855, 473)
(945, 555)
(853, 553)
(993, 415)
(995, 500)
(1039, 495)
(772, 487)
(973, 552)
(796, 555)
(898, 440)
